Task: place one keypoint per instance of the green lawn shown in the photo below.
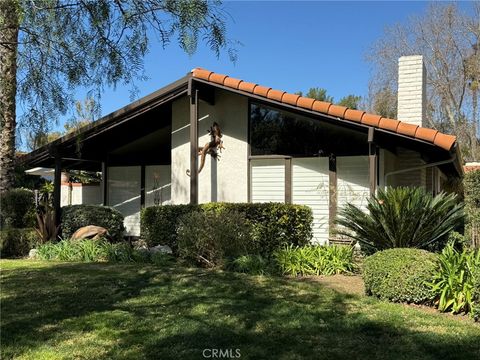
(106, 311)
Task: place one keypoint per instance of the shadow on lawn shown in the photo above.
(176, 314)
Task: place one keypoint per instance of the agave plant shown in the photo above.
(47, 228)
(401, 217)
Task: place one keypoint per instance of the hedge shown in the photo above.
(74, 217)
(17, 208)
(273, 224)
(17, 242)
(471, 183)
(400, 275)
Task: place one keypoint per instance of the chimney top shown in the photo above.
(411, 90)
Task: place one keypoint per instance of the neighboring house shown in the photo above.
(278, 147)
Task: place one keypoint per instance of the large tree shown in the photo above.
(48, 48)
(449, 40)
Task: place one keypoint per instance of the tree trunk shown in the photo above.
(9, 28)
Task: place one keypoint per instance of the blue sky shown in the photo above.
(286, 45)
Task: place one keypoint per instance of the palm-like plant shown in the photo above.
(401, 217)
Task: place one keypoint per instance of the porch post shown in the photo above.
(288, 180)
(372, 161)
(104, 183)
(193, 144)
(57, 182)
(332, 191)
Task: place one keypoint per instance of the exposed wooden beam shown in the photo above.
(193, 144)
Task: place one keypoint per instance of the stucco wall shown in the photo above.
(80, 194)
(223, 180)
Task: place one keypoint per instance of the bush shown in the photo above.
(159, 224)
(453, 284)
(252, 264)
(314, 260)
(400, 275)
(401, 217)
(17, 208)
(17, 242)
(209, 238)
(76, 216)
(273, 224)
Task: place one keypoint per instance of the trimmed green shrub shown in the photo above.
(159, 224)
(400, 275)
(17, 208)
(401, 217)
(209, 238)
(76, 216)
(453, 284)
(252, 264)
(272, 224)
(314, 260)
(17, 242)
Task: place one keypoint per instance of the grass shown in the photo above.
(55, 310)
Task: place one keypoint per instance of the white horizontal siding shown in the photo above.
(310, 186)
(353, 185)
(268, 180)
(124, 195)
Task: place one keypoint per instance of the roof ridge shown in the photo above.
(433, 136)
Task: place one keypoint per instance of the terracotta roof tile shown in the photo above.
(290, 99)
(275, 95)
(429, 135)
(247, 86)
(201, 73)
(232, 82)
(321, 106)
(444, 141)
(306, 103)
(354, 115)
(217, 78)
(337, 110)
(371, 119)
(426, 134)
(407, 129)
(388, 124)
(261, 90)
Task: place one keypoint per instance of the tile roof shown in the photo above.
(441, 140)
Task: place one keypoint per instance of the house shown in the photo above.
(278, 147)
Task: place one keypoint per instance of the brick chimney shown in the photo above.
(412, 90)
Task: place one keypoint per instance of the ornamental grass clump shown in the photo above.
(314, 260)
(401, 217)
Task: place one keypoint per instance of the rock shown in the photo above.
(32, 254)
(90, 232)
(161, 248)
